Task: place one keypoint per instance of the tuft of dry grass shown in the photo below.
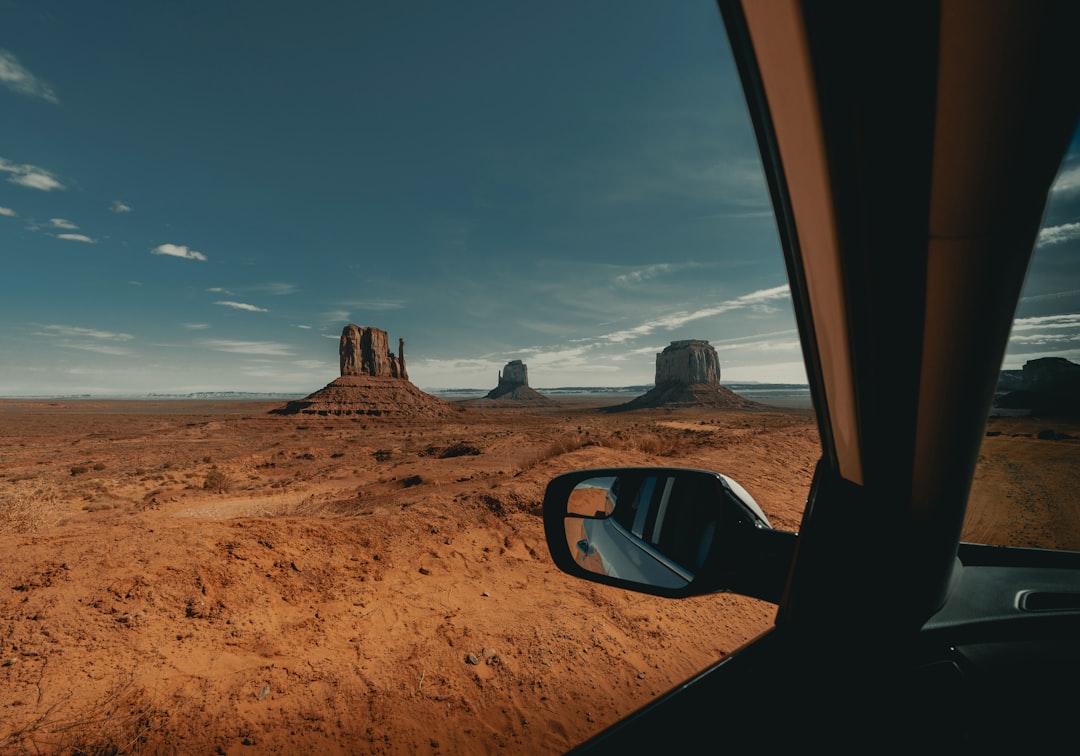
(217, 480)
(29, 505)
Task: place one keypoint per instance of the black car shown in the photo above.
(891, 633)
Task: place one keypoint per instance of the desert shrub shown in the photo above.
(459, 449)
(659, 446)
(563, 445)
(217, 480)
(26, 506)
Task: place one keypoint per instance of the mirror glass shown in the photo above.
(651, 528)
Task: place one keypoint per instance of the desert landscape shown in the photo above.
(212, 577)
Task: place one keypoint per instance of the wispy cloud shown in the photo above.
(16, 77)
(62, 223)
(1058, 234)
(1051, 296)
(276, 289)
(7, 211)
(77, 237)
(30, 176)
(120, 207)
(219, 290)
(241, 306)
(178, 250)
(1070, 320)
(262, 348)
(195, 326)
(1068, 180)
(304, 327)
(377, 304)
(77, 332)
(754, 300)
(642, 274)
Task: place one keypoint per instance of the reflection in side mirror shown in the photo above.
(664, 530)
(655, 529)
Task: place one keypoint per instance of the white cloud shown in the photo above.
(264, 348)
(61, 223)
(120, 207)
(195, 326)
(14, 76)
(219, 290)
(1071, 320)
(7, 211)
(1051, 296)
(1068, 180)
(650, 271)
(178, 250)
(30, 176)
(92, 333)
(1058, 234)
(276, 289)
(377, 304)
(77, 237)
(241, 306)
(305, 327)
(754, 300)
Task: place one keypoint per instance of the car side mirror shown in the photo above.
(666, 531)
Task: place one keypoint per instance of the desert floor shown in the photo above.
(203, 577)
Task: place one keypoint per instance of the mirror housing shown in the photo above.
(665, 531)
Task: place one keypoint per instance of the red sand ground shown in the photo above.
(186, 577)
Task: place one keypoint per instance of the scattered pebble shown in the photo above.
(471, 659)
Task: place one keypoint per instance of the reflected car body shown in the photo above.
(623, 546)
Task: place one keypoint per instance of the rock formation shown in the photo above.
(687, 375)
(373, 382)
(366, 351)
(687, 363)
(1048, 386)
(514, 386)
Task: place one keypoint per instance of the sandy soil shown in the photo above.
(186, 577)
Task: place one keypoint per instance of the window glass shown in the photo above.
(1027, 481)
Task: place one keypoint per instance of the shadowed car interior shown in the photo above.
(905, 273)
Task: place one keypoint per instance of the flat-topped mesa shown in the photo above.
(516, 373)
(688, 363)
(687, 375)
(366, 351)
(514, 387)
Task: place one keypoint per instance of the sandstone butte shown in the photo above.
(373, 382)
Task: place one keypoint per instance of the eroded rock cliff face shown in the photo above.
(1048, 386)
(687, 375)
(373, 382)
(687, 363)
(366, 351)
(514, 386)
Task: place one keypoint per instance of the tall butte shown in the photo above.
(687, 375)
(373, 381)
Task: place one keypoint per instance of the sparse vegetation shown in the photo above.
(26, 506)
(217, 480)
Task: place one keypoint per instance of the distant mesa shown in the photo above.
(513, 389)
(374, 382)
(687, 375)
(1046, 386)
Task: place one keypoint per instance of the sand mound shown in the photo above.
(695, 395)
(369, 395)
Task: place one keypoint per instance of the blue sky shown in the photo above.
(198, 196)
